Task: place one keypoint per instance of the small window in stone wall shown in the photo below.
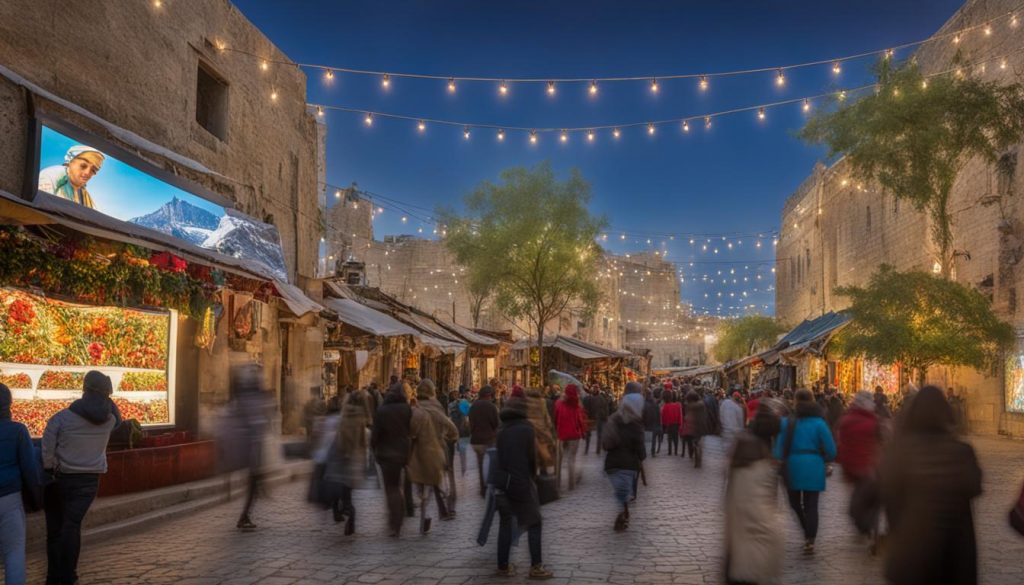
(212, 102)
(869, 218)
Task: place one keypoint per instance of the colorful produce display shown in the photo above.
(34, 330)
(34, 413)
(144, 381)
(21, 381)
(57, 380)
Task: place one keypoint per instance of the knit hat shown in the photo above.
(517, 392)
(98, 382)
(634, 388)
(426, 389)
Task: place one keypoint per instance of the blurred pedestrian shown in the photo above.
(430, 431)
(652, 420)
(349, 465)
(671, 420)
(325, 437)
(390, 443)
(74, 449)
(695, 427)
(537, 411)
(928, 479)
(251, 409)
(858, 439)
(625, 451)
(597, 408)
(732, 414)
(804, 446)
(19, 474)
(483, 430)
(754, 539)
(571, 424)
(516, 492)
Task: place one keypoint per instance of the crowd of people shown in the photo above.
(912, 477)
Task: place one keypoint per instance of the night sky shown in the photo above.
(730, 180)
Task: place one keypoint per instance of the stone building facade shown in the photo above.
(836, 230)
(169, 74)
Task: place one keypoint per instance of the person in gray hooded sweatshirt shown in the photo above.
(74, 456)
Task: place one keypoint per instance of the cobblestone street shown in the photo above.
(675, 537)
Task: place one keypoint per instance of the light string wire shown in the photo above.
(1012, 15)
(840, 94)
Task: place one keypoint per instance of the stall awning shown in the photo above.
(296, 300)
(811, 333)
(471, 336)
(576, 347)
(369, 320)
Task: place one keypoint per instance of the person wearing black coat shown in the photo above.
(391, 446)
(597, 411)
(516, 492)
(697, 424)
(483, 429)
(928, 479)
(652, 421)
(625, 451)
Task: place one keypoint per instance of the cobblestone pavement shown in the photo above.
(675, 537)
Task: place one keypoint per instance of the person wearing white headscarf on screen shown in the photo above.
(68, 180)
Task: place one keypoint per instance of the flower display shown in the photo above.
(16, 380)
(57, 380)
(64, 334)
(144, 382)
(36, 412)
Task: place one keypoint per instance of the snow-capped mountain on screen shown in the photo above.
(180, 219)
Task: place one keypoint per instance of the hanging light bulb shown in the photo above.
(264, 65)
(503, 88)
(465, 132)
(1002, 64)
(836, 68)
(385, 81)
(1013, 21)
(422, 126)
(707, 122)
(956, 39)
(319, 111)
(273, 95)
(564, 137)
(760, 116)
(368, 119)
(807, 105)
(650, 129)
(533, 137)
(451, 85)
(551, 88)
(686, 128)
(337, 194)
(593, 87)
(404, 219)
(988, 30)
(616, 133)
(889, 53)
(501, 135)
(654, 86)
(780, 78)
(590, 135)
(842, 95)
(329, 75)
(703, 82)
(924, 84)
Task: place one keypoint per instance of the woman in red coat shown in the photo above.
(858, 453)
(571, 424)
(671, 420)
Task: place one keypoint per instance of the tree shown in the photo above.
(479, 288)
(532, 237)
(919, 320)
(738, 338)
(915, 134)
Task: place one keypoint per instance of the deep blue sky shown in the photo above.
(733, 179)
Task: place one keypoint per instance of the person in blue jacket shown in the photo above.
(18, 472)
(804, 457)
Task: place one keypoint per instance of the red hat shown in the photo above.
(517, 391)
(736, 395)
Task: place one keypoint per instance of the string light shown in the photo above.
(988, 30)
(320, 111)
(780, 78)
(650, 129)
(707, 122)
(1013, 21)
(924, 84)
(551, 88)
(956, 39)
(616, 133)
(703, 82)
(836, 68)
(422, 126)
(385, 81)
(807, 105)
(1002, 64)
(451, 85)
(686, 128)
(157, 3)
(503, 88)
(590, 135)
(654, 86)
(264, 65)
(368, 119)
(501, 135)
(593, 87)
(533, 137)
(273, 95)
(564, 136)
(329, 75)
(465, 132)
(760, 115)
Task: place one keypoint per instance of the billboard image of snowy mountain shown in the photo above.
(180, 219)
(243, 237)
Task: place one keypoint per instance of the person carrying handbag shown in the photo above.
(805, 445)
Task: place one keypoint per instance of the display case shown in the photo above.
(47, 346)
(1014, 378)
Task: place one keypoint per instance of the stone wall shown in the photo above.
(837, 230)
(137, 67)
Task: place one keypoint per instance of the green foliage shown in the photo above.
(919, 320)
(914, 135)
(739, 338)
(531, 238)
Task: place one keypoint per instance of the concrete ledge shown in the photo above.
(120, 514)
